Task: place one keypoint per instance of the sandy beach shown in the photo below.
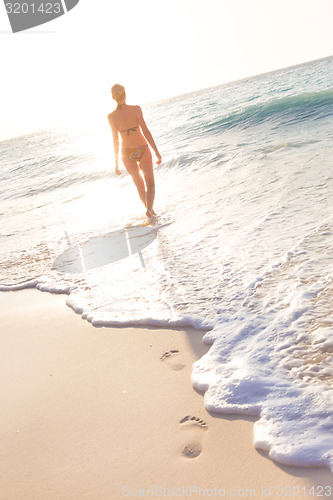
(95, 413)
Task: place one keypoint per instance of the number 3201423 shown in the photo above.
(32, 8)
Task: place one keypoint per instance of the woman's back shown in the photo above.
(127, 120)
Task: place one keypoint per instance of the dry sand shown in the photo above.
(94, 413)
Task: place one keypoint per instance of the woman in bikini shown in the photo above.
(136, 156)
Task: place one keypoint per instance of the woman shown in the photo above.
(136, 156)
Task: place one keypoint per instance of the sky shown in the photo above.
(62, 72)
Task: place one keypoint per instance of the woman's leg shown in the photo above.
(140, 186)
(150, 196)
(134, 171)
(146, 165)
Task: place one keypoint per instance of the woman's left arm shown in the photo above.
(147, 134)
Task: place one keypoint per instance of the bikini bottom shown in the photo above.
(135, 154)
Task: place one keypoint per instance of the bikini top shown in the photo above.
(129, 130)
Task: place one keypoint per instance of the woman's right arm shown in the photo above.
(147, 134)
(115, 138)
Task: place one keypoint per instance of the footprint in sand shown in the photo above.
(194, 426)
(170, 358)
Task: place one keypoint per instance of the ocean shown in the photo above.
(242, 248)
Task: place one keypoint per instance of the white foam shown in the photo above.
(19, 286)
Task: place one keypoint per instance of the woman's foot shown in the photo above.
(150, 214)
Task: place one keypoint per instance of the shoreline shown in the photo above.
(95, 413)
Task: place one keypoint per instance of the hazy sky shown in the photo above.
(62, 71)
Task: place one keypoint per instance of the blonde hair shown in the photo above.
(118, 92)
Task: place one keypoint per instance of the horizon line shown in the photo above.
(163, 99)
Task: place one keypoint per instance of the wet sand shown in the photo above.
(110, 413)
